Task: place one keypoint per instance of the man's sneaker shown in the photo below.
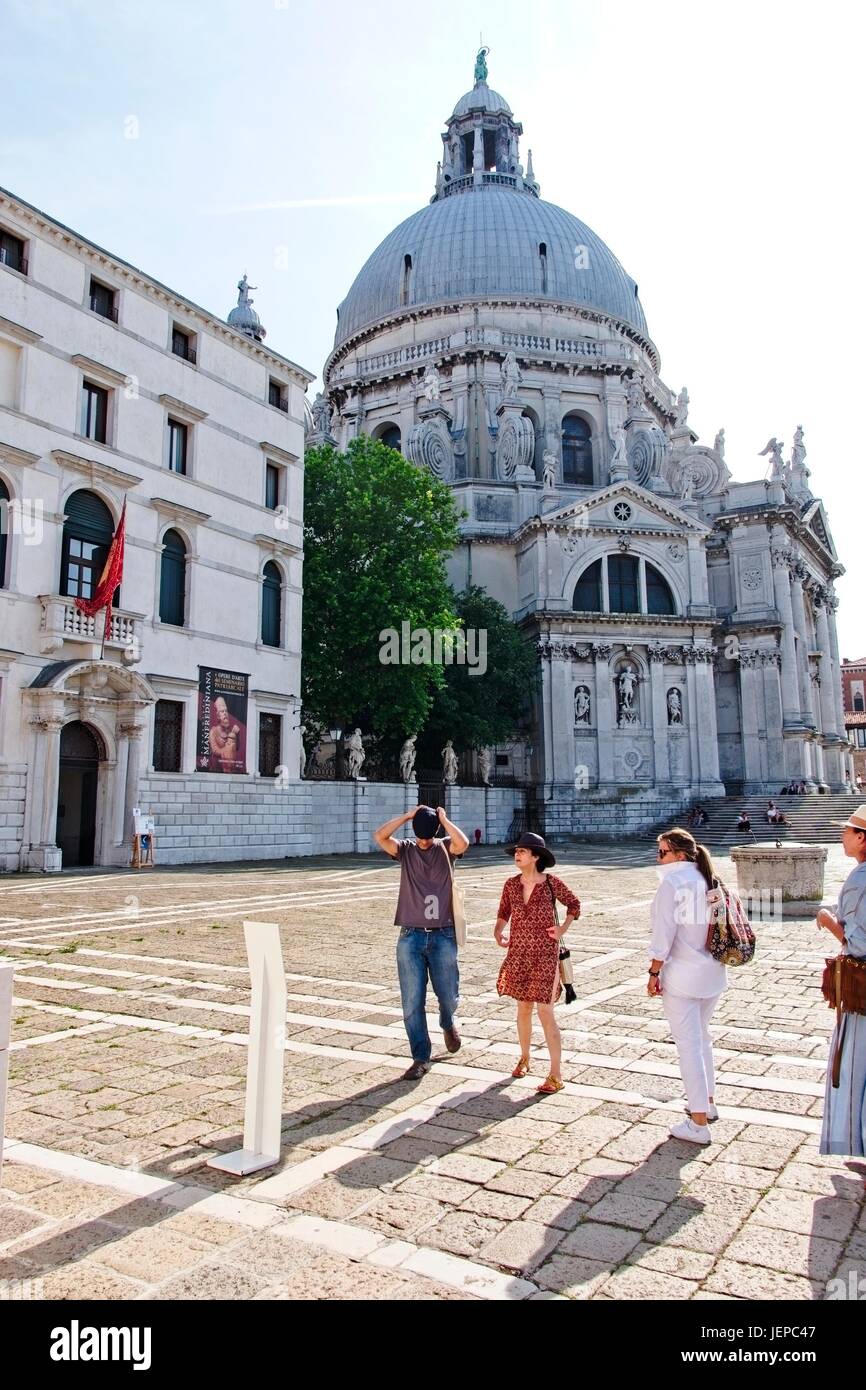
(416, 1071)
(692, 1133)
(712, 1112)
(452, 1039)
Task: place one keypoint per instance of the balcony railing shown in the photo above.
(105, 311)
(63, 623)
(280, 403)
(14, 261)
(187, 354)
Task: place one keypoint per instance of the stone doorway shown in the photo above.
(78, 784)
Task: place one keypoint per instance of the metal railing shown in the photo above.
(105, 311)
(13, 261)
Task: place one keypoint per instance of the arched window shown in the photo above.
(5, 527)
(622, 579)
(391, 437)
(272, 603)
(172, 580)
(587, 593)
(659, 598)
(576, 450)
(87, 534)
(858, 704)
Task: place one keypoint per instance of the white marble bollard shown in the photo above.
(6, 973)
(264, 1104)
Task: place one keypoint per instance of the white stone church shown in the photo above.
(684, 622)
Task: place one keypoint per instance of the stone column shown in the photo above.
(51, 783)
(752, 771)
(790, 686)
(832, 605)
(641, 579)
(707, 724)
(604, 710)
(776, 767)
(799, 611)
(119, 791)
(661, 743)
(828, 703)
(132, 734)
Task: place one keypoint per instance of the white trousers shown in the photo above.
(689, 1021)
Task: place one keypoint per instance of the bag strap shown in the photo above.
(552, 899)
(836, 1068)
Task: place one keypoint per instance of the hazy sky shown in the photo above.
(717, 149)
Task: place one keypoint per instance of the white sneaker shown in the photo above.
(712, 1112)
(692, 1133)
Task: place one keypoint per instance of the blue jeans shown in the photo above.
(422, 953)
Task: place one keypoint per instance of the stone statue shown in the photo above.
(485, 763)
(625, 687)
(687, 483)
(682, 410)
(675, 707)
(634, 394)
(620, 457)
(481, 65)
(432, 383)
(777, 468)
(449, 764)
(582, 705)
(335, 421)
(798, 451)
(511, 377)
(719, 446)
(353, 745)
(548, 468)
(244, 288)
(321, 413)
(407, 759)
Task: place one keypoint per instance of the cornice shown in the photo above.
(20, 456)
(92, 468)
(99, 370)
(11, 329)
(274, 451)
(166, 507)
(182, 408)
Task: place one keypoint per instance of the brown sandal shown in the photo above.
(550, 1086)
(522, 1067)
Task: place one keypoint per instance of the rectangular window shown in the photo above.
(167, 735)
(277, 395)
(177, 446)
(10, 357)
(12, 252)
(94, 412)
(270, 732)
(622, 583)
(182, 344)
(860, 737)
(103, 300)
(272, 486)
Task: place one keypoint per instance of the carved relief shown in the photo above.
(429, 445)
(515, 446)
(582, 705)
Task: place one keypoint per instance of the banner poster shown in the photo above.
(222, 721)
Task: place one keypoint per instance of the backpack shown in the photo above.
(730, 939)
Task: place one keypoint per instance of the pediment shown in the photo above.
(625, 506)
(815, 519)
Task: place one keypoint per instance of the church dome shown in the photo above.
(481, 98)
(484, 241)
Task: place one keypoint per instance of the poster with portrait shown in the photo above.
(222, 721)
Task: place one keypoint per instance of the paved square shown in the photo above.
(128, 1066)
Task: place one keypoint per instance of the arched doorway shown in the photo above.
(80, 755)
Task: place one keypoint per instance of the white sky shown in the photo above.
(715, 148)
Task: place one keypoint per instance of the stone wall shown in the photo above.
(632, 813)
(12, 792)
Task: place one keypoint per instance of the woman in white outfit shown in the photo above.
(684, 973)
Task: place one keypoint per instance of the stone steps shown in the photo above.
(810, 819)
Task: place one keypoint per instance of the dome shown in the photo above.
(484, 242)
(481, 98)
(244, 317)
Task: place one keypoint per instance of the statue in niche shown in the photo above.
(407, 759)
(626, 684)
(449, 764)
(634, 394)
(719, 446)
(548, 470)
(682, 410)
(485, 763)
(511, 377)
(353, 745)
(687, 484)
(582, 705)
(432, 384)
(675, 706)
(620, 456)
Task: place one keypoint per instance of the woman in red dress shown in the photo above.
(530, 971)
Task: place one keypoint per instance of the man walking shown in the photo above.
(427, 944)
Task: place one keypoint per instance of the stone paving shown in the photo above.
(128, 1066)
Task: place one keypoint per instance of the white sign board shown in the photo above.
(142, 825)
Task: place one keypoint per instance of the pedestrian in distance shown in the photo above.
(530, 971)
(427, 941)
(683, 973)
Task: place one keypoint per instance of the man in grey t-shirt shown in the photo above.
(427, 944)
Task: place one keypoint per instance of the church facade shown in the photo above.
(684, 622)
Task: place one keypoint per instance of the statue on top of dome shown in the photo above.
(481, 65)
(244, 288)
(511, 376)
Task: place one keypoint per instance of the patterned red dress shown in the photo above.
(530, 970)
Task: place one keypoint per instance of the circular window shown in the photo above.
(622, 511)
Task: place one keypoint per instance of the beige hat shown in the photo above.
(857, 820)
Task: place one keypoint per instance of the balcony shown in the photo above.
(99, 306)
(63, 624)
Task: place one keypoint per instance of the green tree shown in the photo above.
(376, 533)
(478, 710)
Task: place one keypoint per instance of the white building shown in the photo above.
(115, 389)
(684, 622)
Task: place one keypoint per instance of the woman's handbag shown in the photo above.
(844, 987)
(458, 903)
(730, 939)
(566, 974)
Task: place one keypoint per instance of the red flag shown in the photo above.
(111, 576)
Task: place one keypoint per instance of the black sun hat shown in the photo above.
(528, 840)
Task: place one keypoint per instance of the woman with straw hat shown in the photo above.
(530, 971)
(844, 1127)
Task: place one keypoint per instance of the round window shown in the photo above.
(622, 511)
